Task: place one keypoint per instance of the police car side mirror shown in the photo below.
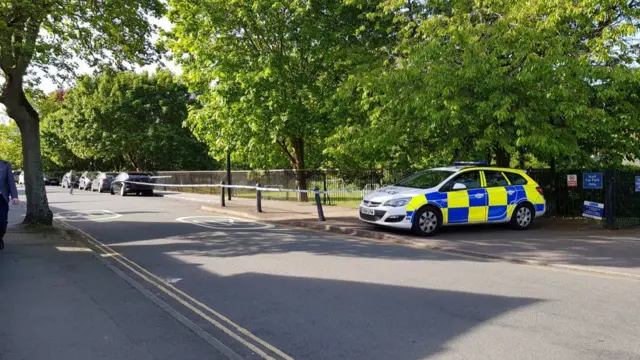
(459, 186)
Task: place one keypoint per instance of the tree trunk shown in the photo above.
(301, 175)
(503, 159)
(20, 110)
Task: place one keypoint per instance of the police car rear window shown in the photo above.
(495, 179)
(515, 179)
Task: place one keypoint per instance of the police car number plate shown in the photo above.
(367, 211)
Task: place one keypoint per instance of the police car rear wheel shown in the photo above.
(427, 222)
(522, 217)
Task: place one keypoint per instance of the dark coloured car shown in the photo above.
(51, 180)
(102, 182)
(86, 180)
(67, 184)
(129, 183)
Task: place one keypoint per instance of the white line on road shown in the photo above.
(192, 304)
(224, 223)
(87, 215)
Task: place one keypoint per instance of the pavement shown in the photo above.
(264, 290)
(571, 244)
(57, 301)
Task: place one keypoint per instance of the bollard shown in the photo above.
(258, 199)
(319, 204)
(222, 193)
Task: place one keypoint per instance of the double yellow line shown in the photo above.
(235, 331)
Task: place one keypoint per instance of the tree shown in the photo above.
(551, 79)
(126, 120)
(56, 154)
(48, 35)
(265, 72)
(10, 145)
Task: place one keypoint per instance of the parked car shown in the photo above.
(460, 194)
(86, 180)
(102, 182)
(51, 180)
(120, 186)
(16, 176)
(67, 184)
(21, 178)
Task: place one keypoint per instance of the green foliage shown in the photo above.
(265, 72)
(551, 79)
(126, 120)
(11, 144)
(52, 34)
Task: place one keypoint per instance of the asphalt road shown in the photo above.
(309, 295)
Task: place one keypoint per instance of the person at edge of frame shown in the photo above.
(8, 193)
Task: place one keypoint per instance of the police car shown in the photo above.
(466, 193)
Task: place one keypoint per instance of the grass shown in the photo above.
(346, 200)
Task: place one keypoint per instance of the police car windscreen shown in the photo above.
(426, 179)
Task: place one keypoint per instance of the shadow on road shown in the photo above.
(308, 318)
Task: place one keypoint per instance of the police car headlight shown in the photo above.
(397, 202)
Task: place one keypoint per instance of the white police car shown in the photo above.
(460, 194)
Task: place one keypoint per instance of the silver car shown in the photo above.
(102, 182)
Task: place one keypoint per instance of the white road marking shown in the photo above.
(171, 280)
(87, 215)
(224, 223)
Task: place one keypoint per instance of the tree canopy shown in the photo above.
(126, 120)
(553, 79)
(11, 144)
(265, 72)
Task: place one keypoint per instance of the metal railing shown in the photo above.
(339, 187)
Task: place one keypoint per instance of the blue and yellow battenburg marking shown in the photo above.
(478, 205)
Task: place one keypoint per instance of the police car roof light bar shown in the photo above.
(459, 163)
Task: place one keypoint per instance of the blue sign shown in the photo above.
(592, 181)
(637, 183)
(593, 210)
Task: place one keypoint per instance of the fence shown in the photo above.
(618, 190)
(359, 182)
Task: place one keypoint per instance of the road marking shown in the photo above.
(87, 215)
(72, 249)
(180, 296)
(224, 223)
(173, 280)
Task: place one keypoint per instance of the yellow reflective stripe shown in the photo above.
(505, 177)
(478, 213)
(497, 196)
(533, 195)
(483, 179)
(458, 199)
(416, 202)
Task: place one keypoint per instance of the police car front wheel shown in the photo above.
(427, 222)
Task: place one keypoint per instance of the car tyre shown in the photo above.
(427, 221)
(112, 192)
(522, 217)
(148, 193)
